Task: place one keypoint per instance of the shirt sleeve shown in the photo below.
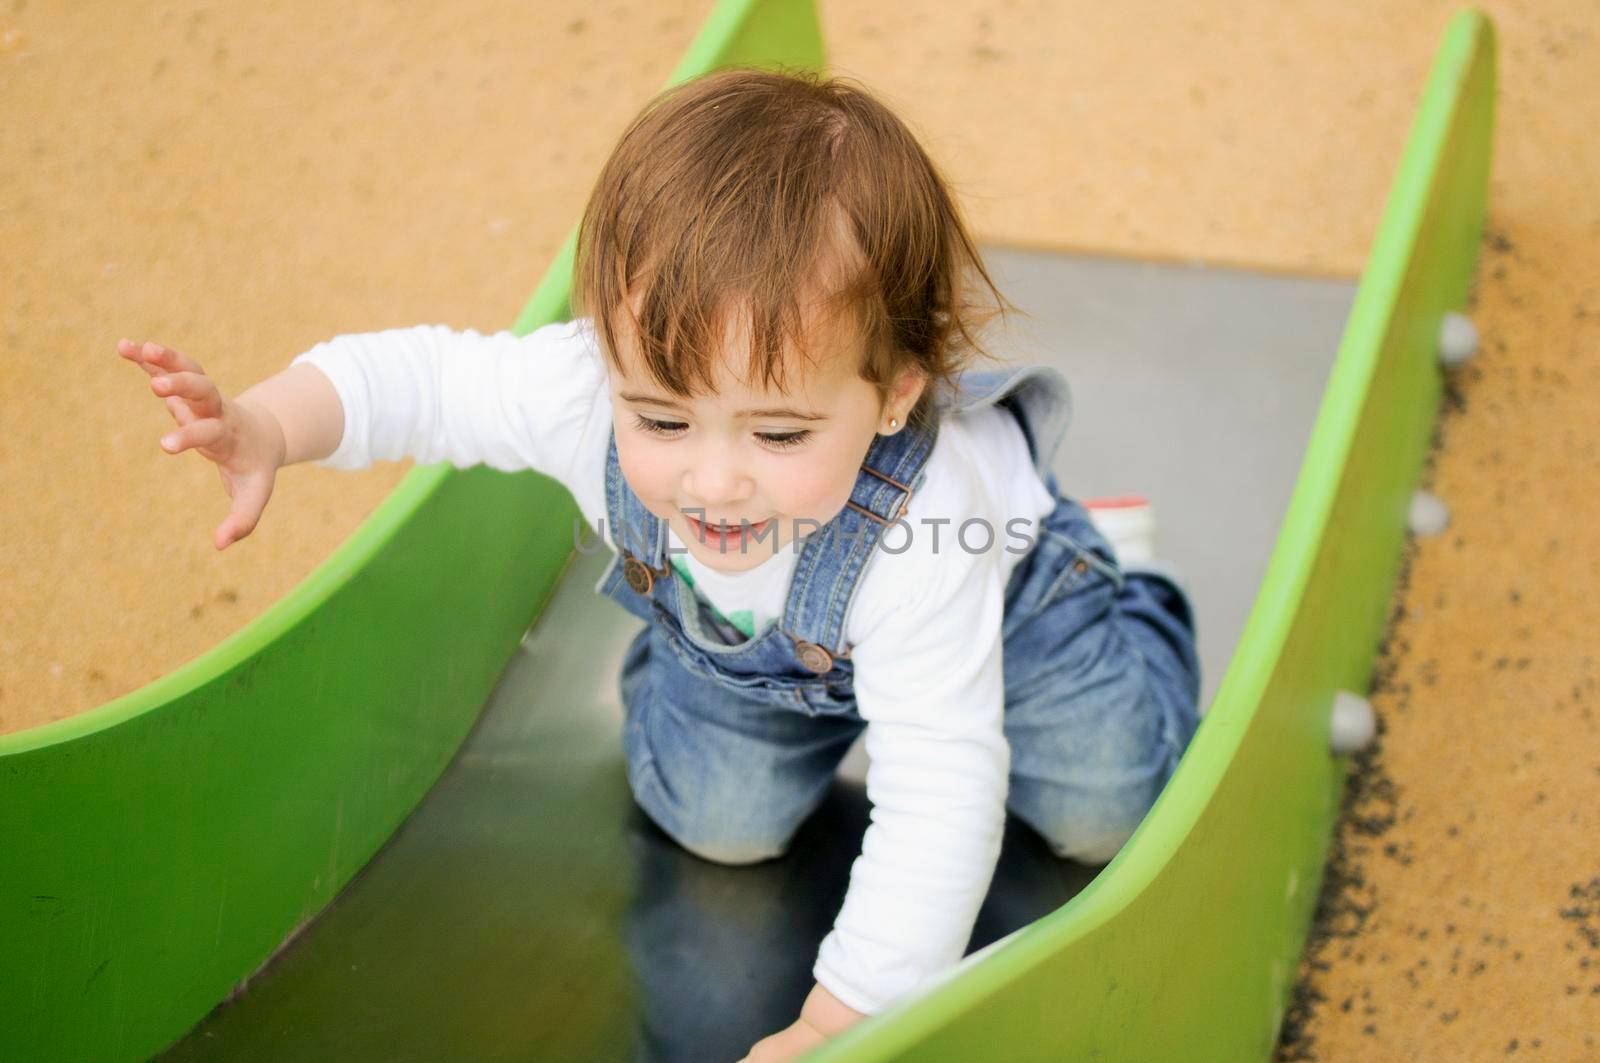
(929, 683)
(432, 394)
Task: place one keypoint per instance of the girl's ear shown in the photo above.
(903, 395)
(908, 386)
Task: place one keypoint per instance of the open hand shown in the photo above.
(822, 1017)
(246, 443)
(788, 1043)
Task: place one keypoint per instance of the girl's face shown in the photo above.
(784, 464)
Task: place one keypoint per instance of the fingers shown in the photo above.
(241, 520)
(180, 411)
(135, 353)
(204, 433)
(156, 359)
(189, 393)
(196, 388)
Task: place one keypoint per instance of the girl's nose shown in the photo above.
(716, 482)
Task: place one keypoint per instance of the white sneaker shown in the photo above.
(1129, 523)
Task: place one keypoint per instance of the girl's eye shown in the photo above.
(660, 428)
(670, 429)
(782, 440)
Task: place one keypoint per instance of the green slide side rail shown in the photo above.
(158, 849)
(1186, 946)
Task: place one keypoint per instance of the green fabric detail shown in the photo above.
(743, 620)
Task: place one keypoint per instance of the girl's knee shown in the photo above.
(1088, 840)
(723, 840)
(1094, 850)
(1089, 815)
(735, 851)
(710, 828)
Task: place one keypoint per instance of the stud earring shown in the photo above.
(894, 422)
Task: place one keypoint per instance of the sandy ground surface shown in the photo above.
(242, 180)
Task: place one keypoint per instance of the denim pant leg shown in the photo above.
(1102, 688)
(728, 774)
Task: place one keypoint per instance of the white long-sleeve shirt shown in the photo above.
(924, 628)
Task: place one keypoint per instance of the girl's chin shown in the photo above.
(729, 563)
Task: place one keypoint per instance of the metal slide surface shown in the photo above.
(527, 909)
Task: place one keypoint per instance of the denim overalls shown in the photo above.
(732, 743)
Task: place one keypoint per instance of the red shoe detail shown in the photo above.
(1115, 502)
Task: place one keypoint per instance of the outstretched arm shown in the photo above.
(430, 393)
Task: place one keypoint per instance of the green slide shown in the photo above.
(206, 832)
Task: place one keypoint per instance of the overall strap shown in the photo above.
(641, 535)
(1038, 396)
(833, 560)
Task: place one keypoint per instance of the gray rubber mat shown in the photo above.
(528, 910)
(1196, 387)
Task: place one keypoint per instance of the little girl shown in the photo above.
(766, 405)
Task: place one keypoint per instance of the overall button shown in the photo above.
(814, 657)
(1080, 566)
(638, 575)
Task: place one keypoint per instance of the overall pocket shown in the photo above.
(829, 699)
(695, 667)
(1082, 560)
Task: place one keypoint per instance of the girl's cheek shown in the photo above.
(819, 485)
(645, 469)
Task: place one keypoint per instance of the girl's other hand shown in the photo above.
(246, 442)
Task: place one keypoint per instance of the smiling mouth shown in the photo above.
(723, 535)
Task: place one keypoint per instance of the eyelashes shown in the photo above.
(784, 440)
(672, 429)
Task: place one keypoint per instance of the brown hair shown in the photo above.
(750, 188)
